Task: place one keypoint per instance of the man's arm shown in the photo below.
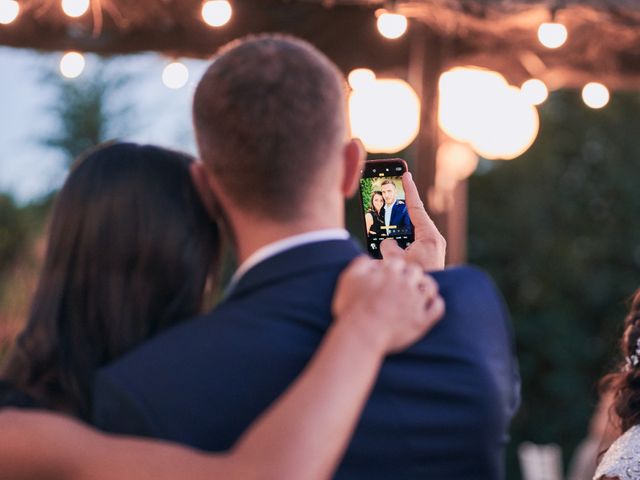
(116, 408)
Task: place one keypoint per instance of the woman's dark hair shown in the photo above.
(130, 249)
(625, 382)
(373, 195)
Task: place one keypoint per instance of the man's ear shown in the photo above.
(202, 181)
(354, 155)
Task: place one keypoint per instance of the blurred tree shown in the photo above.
(559, 230)
(90, 110)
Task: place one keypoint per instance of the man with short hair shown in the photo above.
(270, 122)
(394, 212)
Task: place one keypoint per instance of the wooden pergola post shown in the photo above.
(426, 63)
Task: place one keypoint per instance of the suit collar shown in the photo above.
(294, 261)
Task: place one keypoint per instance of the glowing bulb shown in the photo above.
(175, 75)
(595, 95)
(480, 108)
(385, 115)
(509, 130)
(75, 8)
(552, 35)
(455, 160)
(72, 64)
(392, 25)
(216, 13)
(9, 10)
(360, 77)
(534, 91)
(464, 94)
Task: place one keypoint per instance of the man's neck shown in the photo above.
(253, 233)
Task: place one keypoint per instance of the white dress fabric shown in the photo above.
(622, 460)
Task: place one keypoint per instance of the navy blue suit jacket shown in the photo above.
(440, 410)
(399, 218)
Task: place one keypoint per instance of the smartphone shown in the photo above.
(384, 210)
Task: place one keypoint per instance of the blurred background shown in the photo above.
(531, 177)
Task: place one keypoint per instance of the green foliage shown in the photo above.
(558, 229)
(367, 190)
(88, 110)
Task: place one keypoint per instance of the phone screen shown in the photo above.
(384, 209)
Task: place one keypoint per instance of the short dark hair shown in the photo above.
(388, 182)
(130, 247)
(268, 113)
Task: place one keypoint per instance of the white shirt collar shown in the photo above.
(287, 243)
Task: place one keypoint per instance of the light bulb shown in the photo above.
(534, 91)
(72, 64)
(392, 25)
(9, 10)
(595, 95)
(216, 13)
(175, 75)
(360, 77)
(75, 8)
(552, 35)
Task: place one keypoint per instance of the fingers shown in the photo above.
(389, 248)
(435, 311)
(360, 266)
(417, 213)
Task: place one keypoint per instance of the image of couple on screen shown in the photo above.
(385, 214)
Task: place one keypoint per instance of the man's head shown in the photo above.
(270, 122)
(388, 192)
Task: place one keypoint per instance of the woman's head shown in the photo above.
(130, 249)
(377, 201)
(625, 384)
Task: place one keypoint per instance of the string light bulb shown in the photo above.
(72, 64)
(175, 75)
(595, 95)
(552, 34)
(216, 13)
(360, 77)
(534, 91)
(75, 8)
(9, 10)
(392, 25)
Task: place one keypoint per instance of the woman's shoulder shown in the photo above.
(622, 459)
(13, 397)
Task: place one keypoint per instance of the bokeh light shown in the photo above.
(72, 64)
(175, 75)
(455, 161)
(75, 8)
(385, 115)
(480, 108)
(534, 91)
(595, 95)
(392, 25)
(216, 13)
(360, 77)
(552, 35)
(9, 10)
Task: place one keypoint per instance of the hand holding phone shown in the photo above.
(429, 246)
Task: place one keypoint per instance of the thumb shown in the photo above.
(389, 248)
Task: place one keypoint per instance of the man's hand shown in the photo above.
(429, 247)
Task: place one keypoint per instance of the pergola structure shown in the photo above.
(603, 45)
